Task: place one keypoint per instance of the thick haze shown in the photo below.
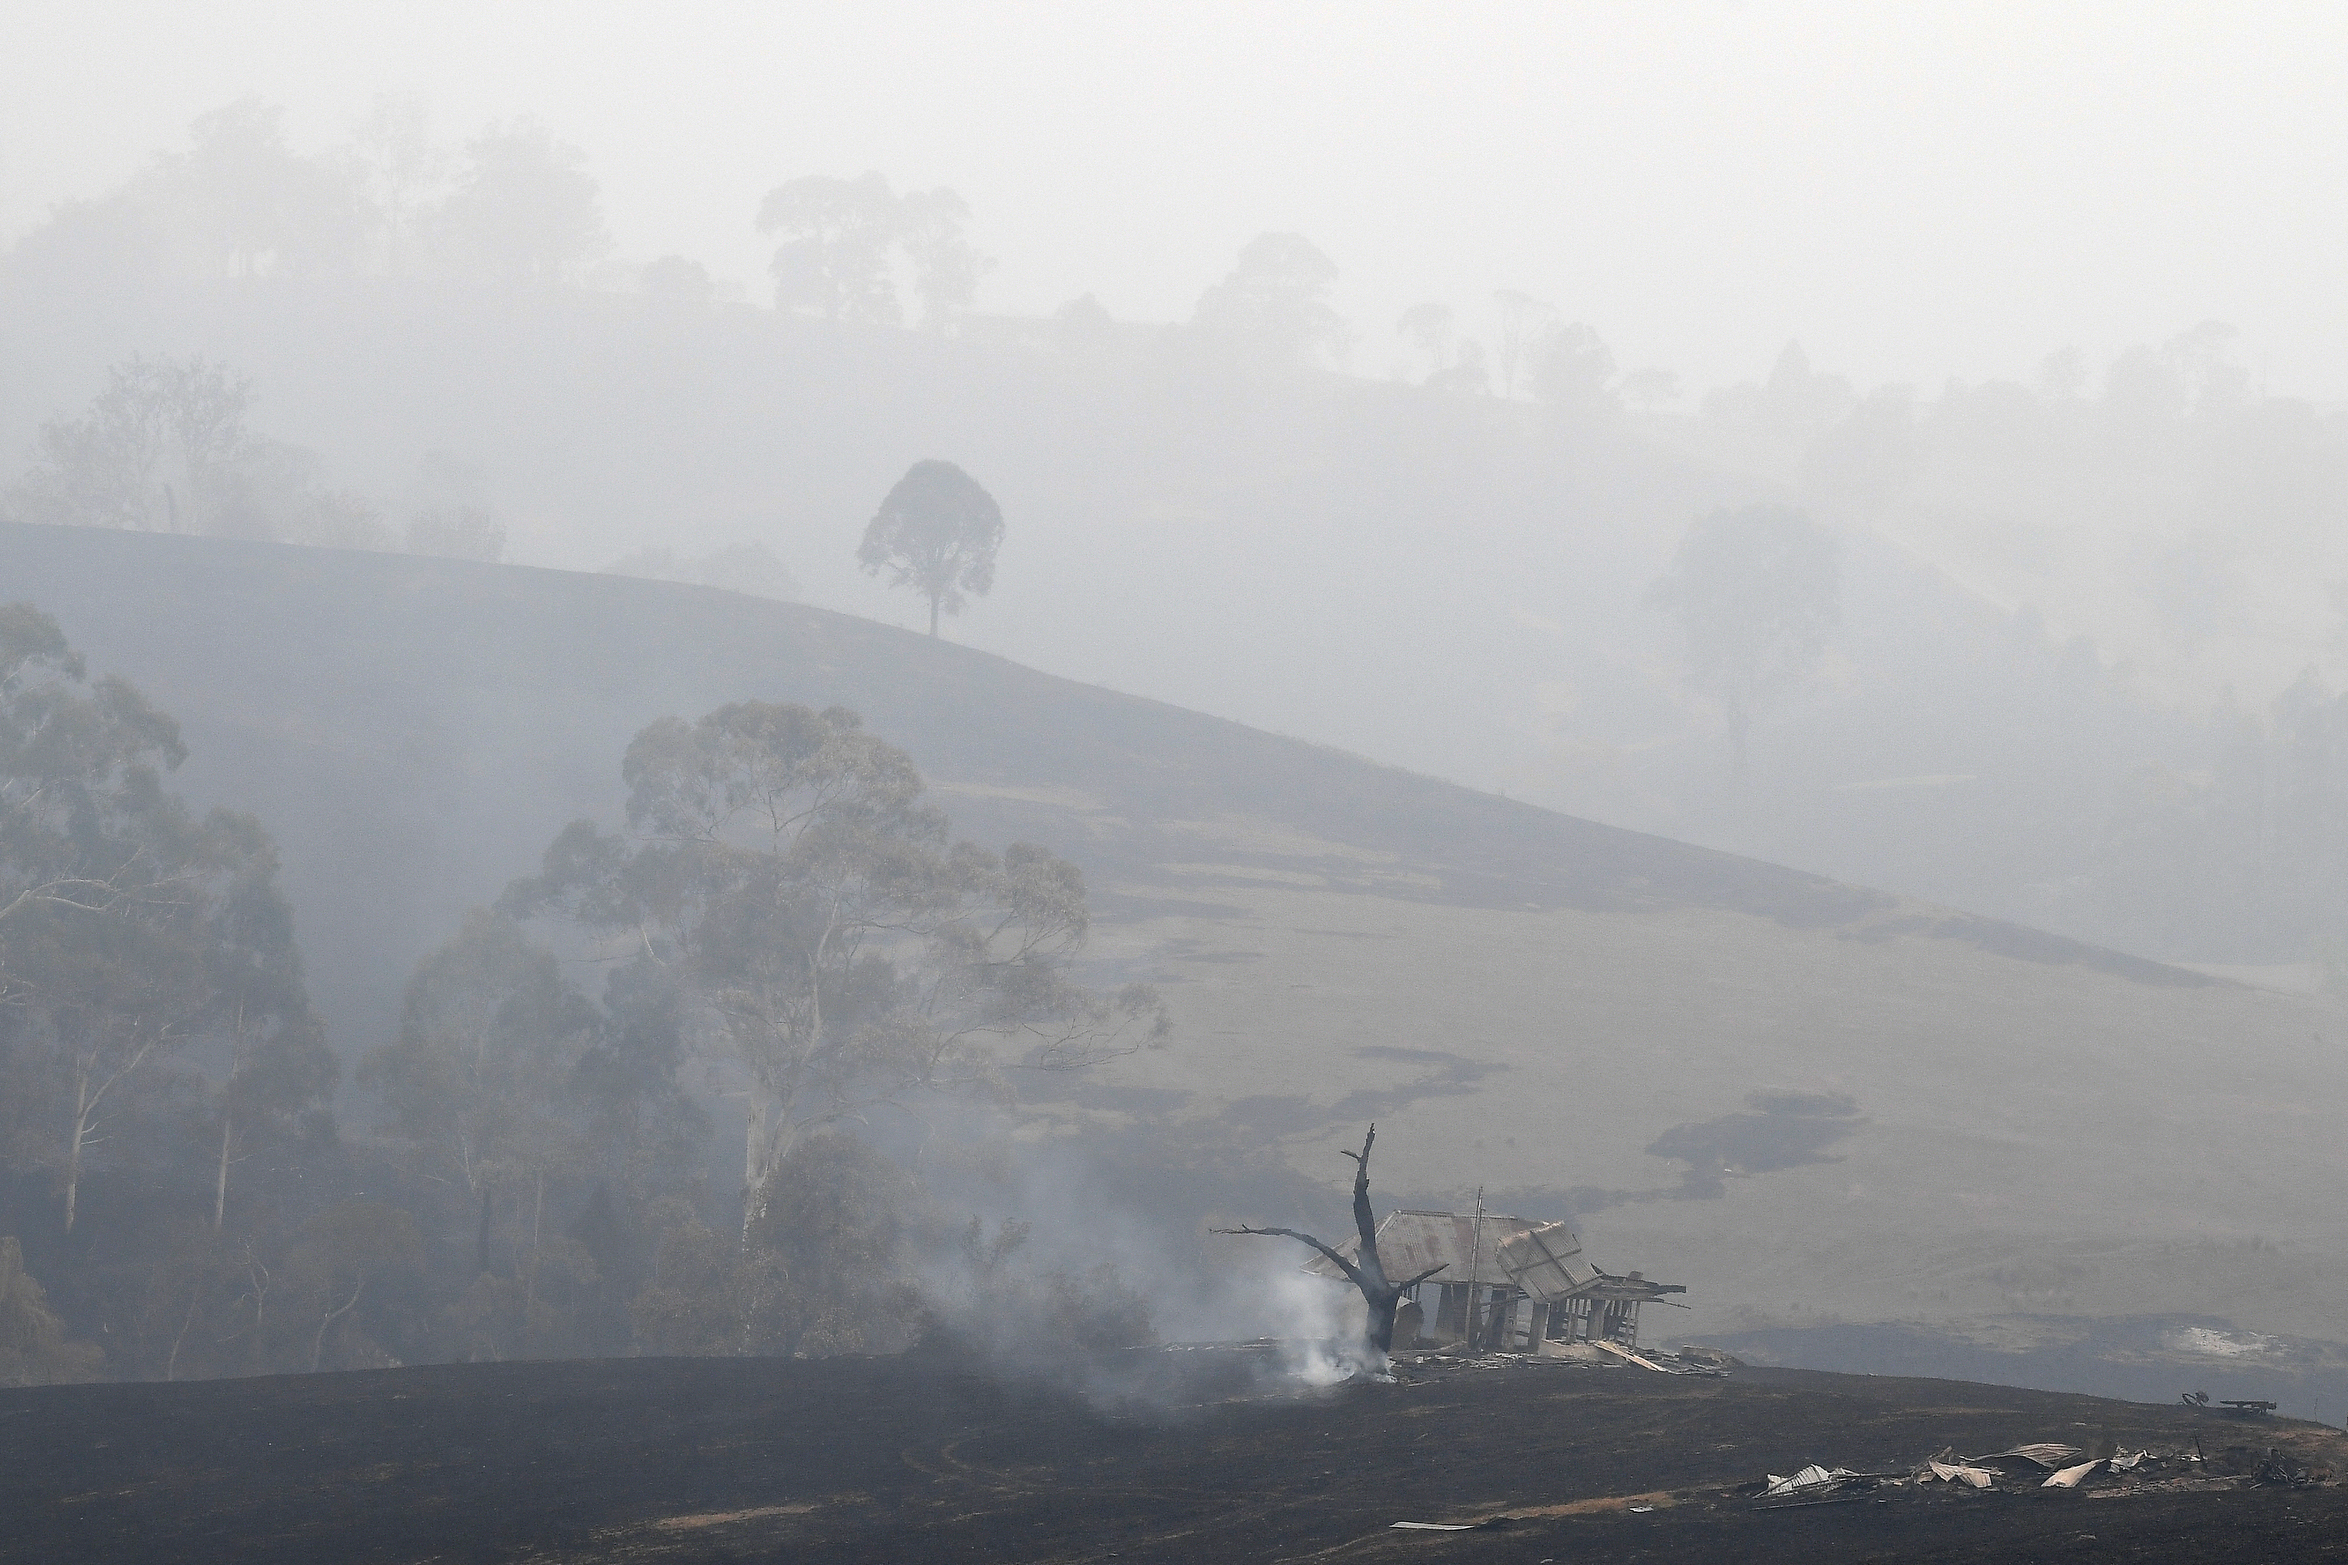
(1367, 375)
(1710, 614)
(1913, 192)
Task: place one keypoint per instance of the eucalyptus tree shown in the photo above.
(198, 951)
(275, 1064)
(479, 1079)
(839, 950)
(125, 922)
(81, 764)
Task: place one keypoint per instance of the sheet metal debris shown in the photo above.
(1958, 1472)
(2044, 1455)
(1811, 1477)
(2170, 1470)
(2277, 1469)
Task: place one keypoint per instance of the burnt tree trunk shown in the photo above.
(1366, 1271)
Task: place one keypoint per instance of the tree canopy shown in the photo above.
(840, 951)
(1755, 592)
(937, 532)
(844, 241)
(1274, 304)
(130, 931)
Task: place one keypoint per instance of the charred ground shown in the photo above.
(1176, 1455)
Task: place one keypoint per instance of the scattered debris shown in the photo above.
(2248, 1407)
(2116, 1476)
(1958, 1472)
(1640, 1359)
(1810, 1477)
(2069, 1477)
(1815, 1482)
(2047, 1455)
(2278, 1470)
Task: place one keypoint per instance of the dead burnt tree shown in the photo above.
(1366, 1272)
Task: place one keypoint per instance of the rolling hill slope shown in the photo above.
(1807, 1100)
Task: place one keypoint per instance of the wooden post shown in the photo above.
(1475, 1260)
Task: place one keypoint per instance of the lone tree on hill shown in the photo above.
(1756, 593)
(937, 532)
(1365, 1271)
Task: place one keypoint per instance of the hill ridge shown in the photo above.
(193, 621)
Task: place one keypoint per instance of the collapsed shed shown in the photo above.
(1505, 1282)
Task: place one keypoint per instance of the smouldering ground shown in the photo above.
(907, 1459)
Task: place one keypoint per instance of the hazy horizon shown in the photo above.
(1912, 194)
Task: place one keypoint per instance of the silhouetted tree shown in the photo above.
(1427, 327)
(1452, 364)
(1275, 303)
(945, 267)
(845, 239)
(396, 163)
(1755, 592)
(677, 279)
(524, 209)
(937, 532)
(240, 200)
(157, 451)
(834, 258)
(166, 448)
(1868, 460)
(1366, 1271)
(1523, 319)
(1571, 367)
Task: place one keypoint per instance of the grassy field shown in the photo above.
(1876, 1109)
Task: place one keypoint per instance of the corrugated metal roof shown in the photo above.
(1411, 1242)
(1542, 1262)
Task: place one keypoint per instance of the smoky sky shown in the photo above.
(1913, 192)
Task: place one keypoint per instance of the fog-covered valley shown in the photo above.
(1861, 842)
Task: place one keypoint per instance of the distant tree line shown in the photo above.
(783, 922)
(167, 446)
